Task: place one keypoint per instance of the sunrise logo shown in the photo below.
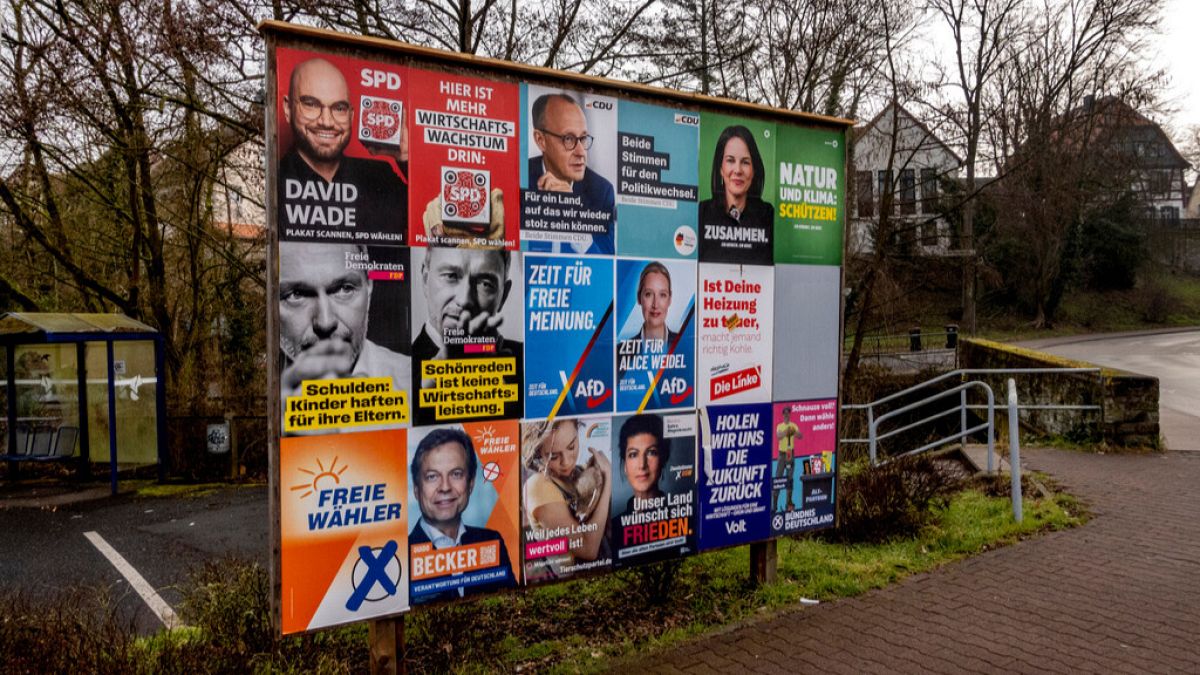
(320, 475)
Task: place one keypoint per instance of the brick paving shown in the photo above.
(1118, 595)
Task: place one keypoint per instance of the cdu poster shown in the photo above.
(811, 195)
(735, 481)
(656, 334)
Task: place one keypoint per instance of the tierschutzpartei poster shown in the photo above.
(737, 181)
(810, 202)
(737, 304)
(735, 481)
(802, 482)
(656, 334)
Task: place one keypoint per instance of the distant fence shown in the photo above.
(1176, 244)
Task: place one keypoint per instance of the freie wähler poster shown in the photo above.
(654, 488)
(810, 202)
(657, 195)
(464, 526)
(735, 339)
(568, 335)
(803, 479)
(465, 154)
(342, 518)
(737, 183)
(656, 334)
(566, 466)
(568, 170)
(735, 481)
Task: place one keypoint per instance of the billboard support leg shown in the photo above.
(386, 638)
(763, 560)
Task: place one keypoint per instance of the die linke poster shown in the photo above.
(735, 482)
(810, 198)
(736, 328)
(465, 152)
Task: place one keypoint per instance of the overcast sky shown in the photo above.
(1179, 54)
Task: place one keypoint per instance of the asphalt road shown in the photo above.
(1173, 357)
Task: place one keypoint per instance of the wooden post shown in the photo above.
(763, 561)
(386, 638)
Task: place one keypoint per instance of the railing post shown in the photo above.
(991, 429)
(871, 434)
(1014, 449)
(962, 419)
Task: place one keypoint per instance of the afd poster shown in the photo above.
(654, 495)
(657, 194)
(342, 516)
(803, 480)
(463, 181)
(737, 305)
(343, 160)
(343, 337)
(737, 182)
(568, 336)
(656, 334)
(808, 313)
(464, 528)
(568, 169)
(567, 484)
(468, 323)
(735, 479)
(811, 203)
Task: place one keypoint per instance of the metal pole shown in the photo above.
(112, 420)
(871, 433)
(1014, 449)
(962, 420)
(991, 430)
(10, 364)
(160, 407)
(85, 442)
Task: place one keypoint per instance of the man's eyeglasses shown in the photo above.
(570, 141)
(312, 108)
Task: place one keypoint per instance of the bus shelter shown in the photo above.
(79, 386)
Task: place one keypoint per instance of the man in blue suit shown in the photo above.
(561, 133)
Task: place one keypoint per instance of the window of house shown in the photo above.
(1160, 182)
(884, 181)
(929, 191)
(866, 197)
(1170, 215)
(908, 191)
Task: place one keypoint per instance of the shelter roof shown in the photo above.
(67, 323)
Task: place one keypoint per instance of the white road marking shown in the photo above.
(161, 609)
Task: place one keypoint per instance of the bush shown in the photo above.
(892, 500)
(77, 631)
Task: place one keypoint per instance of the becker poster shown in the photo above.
(808, 313)
(568, 336)
(735, 484)
(569, 151)
(464, 178)
(810, 202)
(656, 334)
(565, 495)
(467, 324)
(343, 155)
(464, 526)
(736, 329)
(737, 182)
(342, 516)
(657, 194)
(803, 478)
(654, 493)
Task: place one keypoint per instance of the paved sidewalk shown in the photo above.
(1118, 595)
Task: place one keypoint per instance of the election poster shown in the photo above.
(568, 336)
(342, 167)
(567, 479)
(654, 492)
(735, 478)
(464, 526)
(464, 188)
(737, 304)
(657, 193)
(569, 152)
(808, 331)
(803, 480)
(342, 517)
(737, 182)
(343, 337)
(467, 345)
(811, 205)
(656, 334)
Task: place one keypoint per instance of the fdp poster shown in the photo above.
(342, 516)
(656, 334)
(737, 180)
(569, 151)
(737, 305)
(464, 528)
(468, 324)
(808, 315)
(657, 195)
(805, 450)
(654, 494)
(811, 196)
(342, 165)
(735, 485)
(463, 139)
(568, 336)
(565, 496)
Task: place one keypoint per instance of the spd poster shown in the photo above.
(736, 330)
(656, 334)
(568, 336)
(803, 480)
(463, 139)
(657, 195)
(811, 196)
(735, 482)
(464, 529)
(566, 490)
(737, 182)
(342, 515)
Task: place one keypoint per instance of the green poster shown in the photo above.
(810, 203)
(737, 183)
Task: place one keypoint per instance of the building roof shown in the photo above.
(862, 130)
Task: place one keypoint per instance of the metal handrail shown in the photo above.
(873, 428)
